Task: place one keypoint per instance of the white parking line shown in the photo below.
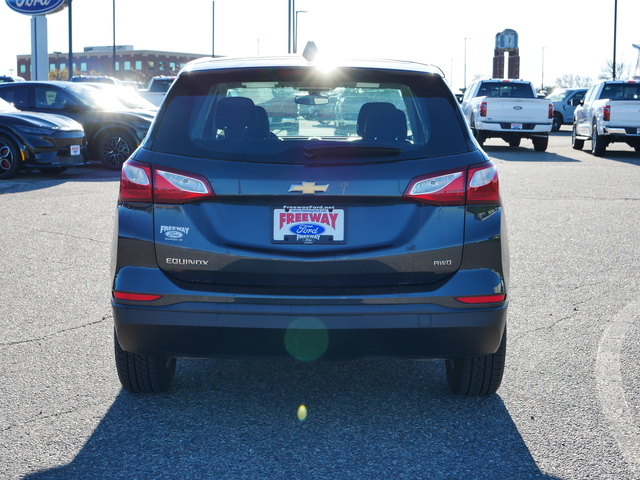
(610, 388)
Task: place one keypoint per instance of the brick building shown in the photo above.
(130, 64)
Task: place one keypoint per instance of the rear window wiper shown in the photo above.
(343, 149)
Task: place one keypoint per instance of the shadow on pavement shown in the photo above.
(36, 180)
(525, 153)
(367, 420)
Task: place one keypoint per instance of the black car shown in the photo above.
(50, 143)
(113, 131)
(314, 243)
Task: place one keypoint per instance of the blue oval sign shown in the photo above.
(36, 7)
(307, 229)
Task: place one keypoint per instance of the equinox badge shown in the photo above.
(308, 188)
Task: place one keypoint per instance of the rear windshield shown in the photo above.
(505, 89)
(621, 91)
(294, 114)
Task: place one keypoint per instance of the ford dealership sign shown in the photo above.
(36, 7)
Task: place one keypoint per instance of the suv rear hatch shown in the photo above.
(311, 206)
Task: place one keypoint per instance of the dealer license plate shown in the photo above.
(308, 224)
(516, 126)
(75, 150)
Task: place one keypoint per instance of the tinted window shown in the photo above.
(17, 95)
(621, 91)
(282, 114)
(505, 89)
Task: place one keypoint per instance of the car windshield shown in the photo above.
(126, 95)
(97, 98)
(557, 96)
(6, 107)
(290, 114)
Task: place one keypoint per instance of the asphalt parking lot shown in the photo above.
(569, 406)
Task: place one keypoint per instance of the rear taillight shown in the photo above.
(551, 110)
(474, 185)
(606, 113)
(443, 188)
(140, 182)
(483, 109)
(135, 182)
(483, 185)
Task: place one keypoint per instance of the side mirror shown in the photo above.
(574, 102)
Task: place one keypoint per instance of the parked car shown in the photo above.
(610, 112)
(562, 99)
(508, 109)
(113, 131)
(236, 240)
(50, 143)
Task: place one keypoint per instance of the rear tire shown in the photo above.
(10, 158)
(514, 142)
(143, 373)
(540, 144)
(478, 376)
(556, 123)
(575, 142)
(598, 146)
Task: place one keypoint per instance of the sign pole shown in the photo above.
(70, 41)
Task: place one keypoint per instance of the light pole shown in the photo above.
(465, 61)
(70, 41)
(261, 38)
(542, 82)
(114, 38)
(292, 7)
(213, 29)
(295, 31)
(615, 27)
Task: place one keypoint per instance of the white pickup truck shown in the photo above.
(609, 112)
(157, 89)
(508, 109)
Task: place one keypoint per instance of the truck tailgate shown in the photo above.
(624, 113)
(521, 110)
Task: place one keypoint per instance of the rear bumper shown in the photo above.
(496, 128)
(622, 131)
(424, 325)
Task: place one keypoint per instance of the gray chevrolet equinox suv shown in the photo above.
(245, 228)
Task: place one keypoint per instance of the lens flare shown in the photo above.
(306, 339)
(302, 413)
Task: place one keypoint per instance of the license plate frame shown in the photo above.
(308, 224)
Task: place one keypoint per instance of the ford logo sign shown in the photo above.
(307, 229)
(36, 7)
(517, 108)
(173, 234)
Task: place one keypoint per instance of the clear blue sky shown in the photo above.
(576, 36)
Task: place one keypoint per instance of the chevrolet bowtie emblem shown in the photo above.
(308, 188)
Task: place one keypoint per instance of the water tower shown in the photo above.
(506, 42)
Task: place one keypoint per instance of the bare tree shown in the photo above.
(574, 81)
(623, 70)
